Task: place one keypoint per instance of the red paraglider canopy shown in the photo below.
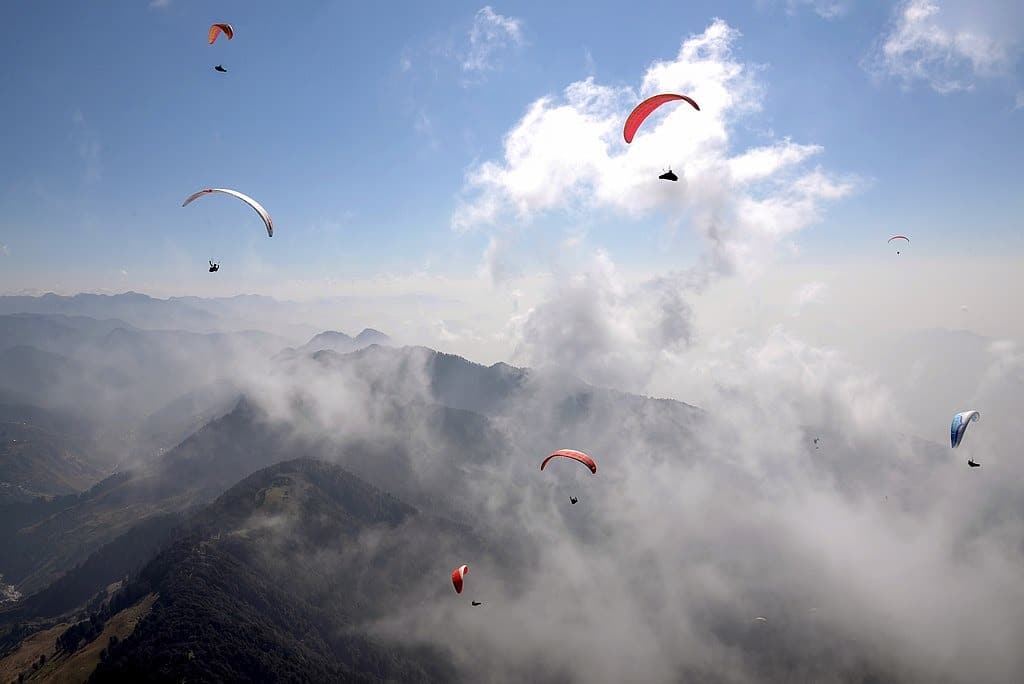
(575, 455)
(644, 109)
(457, 575)
(898, 237)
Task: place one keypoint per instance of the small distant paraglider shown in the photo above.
(972, 464)
(217, 29)
(669, 176)
(477, 603)
(645, 108)
(899, 237)
(214, 267)
(457, 575)
(760, 619)
(816, 443)
(573, 500)
(220, 69)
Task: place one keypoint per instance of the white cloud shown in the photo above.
(423, 124)
(808, 293)
(159, 4)
(599, 324)
(826, 9)
(449, 332)
(951, 45)
(491, 32)
(567, 153)
(4, 250)
(494, 267)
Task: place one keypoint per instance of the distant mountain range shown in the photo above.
(340, 342)
(132, 388)
(294, 321)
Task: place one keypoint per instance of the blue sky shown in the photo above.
(356, 124)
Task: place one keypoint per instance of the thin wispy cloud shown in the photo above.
(88, 145)
(424, 127)
(490, 34)
(160, 4)
(826, 9)
(808, 293)
(950, 45)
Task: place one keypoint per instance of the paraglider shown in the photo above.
(816, 443)
(644, 109)
(217, 29)
(760, 619)
(972, 464)
(669, 176)
(959, 426)
(575, 455)
(214, 267)
(457, 575)
(477, 603)
(899, 237)
(245, 198)
(573, 500)
(220, 69)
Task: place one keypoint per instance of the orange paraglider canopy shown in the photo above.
(574, 455)
(217, 29)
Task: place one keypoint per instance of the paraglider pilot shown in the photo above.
(214, 267)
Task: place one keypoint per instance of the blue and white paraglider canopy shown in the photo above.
(959, 426)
